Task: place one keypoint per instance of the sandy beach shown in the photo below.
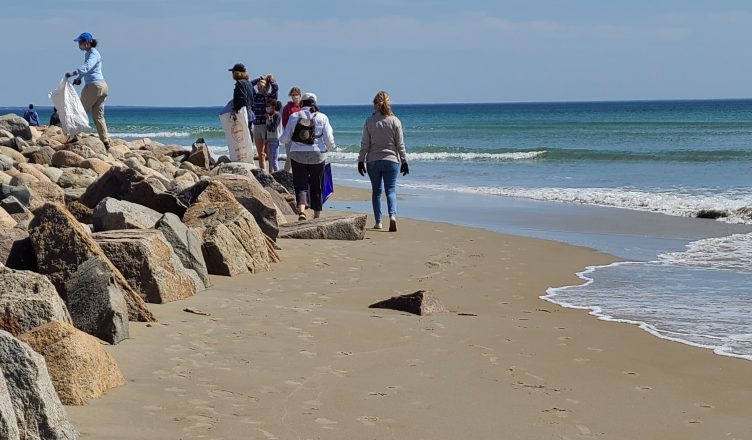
(296, 353)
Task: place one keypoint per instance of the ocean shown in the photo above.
(680, 159)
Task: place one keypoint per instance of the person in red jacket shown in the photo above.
(291, 107)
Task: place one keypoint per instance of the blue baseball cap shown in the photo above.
(84, 37)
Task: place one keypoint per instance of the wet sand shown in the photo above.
(296, 353)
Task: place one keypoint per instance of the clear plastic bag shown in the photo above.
(73, 118)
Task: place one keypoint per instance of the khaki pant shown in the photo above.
(92, 97)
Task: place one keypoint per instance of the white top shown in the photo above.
(324, 133)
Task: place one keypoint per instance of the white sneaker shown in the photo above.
(377, 226)
(392, 224)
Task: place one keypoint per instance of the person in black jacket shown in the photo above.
(242, 96)
(54, 118)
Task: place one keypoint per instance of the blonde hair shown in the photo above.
(383, 103)
(239, 75)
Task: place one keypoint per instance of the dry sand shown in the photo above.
(295, 353)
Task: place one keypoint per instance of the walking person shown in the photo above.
(383, 155)
(266, 90)
(242, 96)
(292, 106)
(273, 132)
(31, 116)
(95, 91)
(310, 136)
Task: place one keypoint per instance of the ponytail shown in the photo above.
(94, 43)
(383, 104)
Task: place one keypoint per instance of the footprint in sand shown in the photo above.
(692, 421)
(705, 405)
(368, 420)
(644, 388)
(558, 412)
(631, 373)
(326, 423)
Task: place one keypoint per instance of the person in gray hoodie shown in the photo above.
(382, 147)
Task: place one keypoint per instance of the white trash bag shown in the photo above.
(238, 135)
(73, 118)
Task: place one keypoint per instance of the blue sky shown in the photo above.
(177, 52)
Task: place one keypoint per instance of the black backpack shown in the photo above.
(305, 131)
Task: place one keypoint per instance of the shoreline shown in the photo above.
(296, 353)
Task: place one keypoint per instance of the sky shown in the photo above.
(177, 52)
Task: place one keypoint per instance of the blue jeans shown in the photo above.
(386, 171)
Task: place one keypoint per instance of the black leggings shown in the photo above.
(305, 194)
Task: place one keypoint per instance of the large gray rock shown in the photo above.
(418, 303)
(148, 263)
(128, 184)
(238, 168)
(77, 178)
(93, 143)
(257, 200)
(283, 206)
(111, 214)
(8, 423)
(96, 302)
(267, 181)
(339, 227)
(213, 205)
(200, 155)
(45, 192)
(16, 251)
(39, 413)
(284, 178)
(62, 244)
(6, 162)
(16, 125)
(64, 159)
(21, 193)
(28, 300)
(186, 243)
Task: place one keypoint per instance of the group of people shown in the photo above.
(32, 117)
(300, 126)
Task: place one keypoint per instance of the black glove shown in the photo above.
(68, 75)
(77, 82)
(362, 168)
(404, 169)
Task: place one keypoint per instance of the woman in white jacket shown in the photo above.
(310, 136)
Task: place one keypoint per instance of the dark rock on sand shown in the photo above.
(712, 214)
(418, 303)
(96, 302)
(338, 227)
